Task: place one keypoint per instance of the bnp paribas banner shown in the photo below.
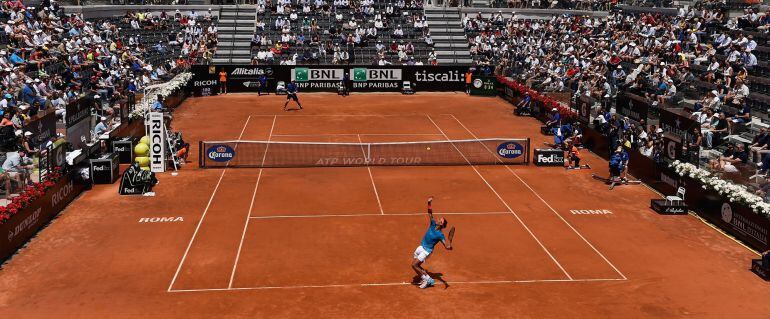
(317, 78)
(249, 78)
(377, 79)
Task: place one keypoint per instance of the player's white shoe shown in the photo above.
(427, 283)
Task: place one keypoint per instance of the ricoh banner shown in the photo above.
(250, 78)
(156, 132)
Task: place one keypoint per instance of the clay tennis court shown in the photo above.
(531, 242)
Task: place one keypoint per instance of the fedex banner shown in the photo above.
(250, 78)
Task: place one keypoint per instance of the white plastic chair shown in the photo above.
(670, 200)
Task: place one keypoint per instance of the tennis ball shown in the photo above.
(428, 148)
(141, 149)
(142, 160)
(144, 140)
(145, 168)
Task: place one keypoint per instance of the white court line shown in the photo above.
(251, 206)
(372, 214)
(549, 206)
(384, 284)
(503, 201)
(351, 134)
(369, 168)
(339, 115)
(203, 216)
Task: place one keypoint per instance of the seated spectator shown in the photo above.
(101, 127)
(158, 104)
(731, 157)
(742, 118)
(647, 148)
(19, 167)
(760, 145)
(717, 131)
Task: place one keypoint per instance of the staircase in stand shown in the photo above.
(448, 35)
(236, 28)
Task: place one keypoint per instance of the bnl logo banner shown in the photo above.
(364, 74)
(308, 74)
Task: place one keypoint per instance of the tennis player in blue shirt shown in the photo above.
(432, 237)
(291, 94)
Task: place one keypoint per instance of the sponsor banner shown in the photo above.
(220, 153)
(317, 78)
(662, 207)
(136, 181)
(484, 86)
(157, 134)
(549, 157)
(58, 156)
(583, 107)
(741, 222)
(244, 78)
(304, 74)
(452, 77)
(510, 150)
(633, 107)
(668, 181)
(105, 169)
(677, 122)
(672, 147)
(377, 79)
(78, 111)
(366, 74)
(759, 269)
(205, 81)
(43, 128)
(124, 148)
(250, 72)
(25, 224)
(79, 134)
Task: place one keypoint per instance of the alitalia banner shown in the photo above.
(246, 78)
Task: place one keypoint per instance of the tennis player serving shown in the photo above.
(432, 236)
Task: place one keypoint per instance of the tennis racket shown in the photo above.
(451, 234)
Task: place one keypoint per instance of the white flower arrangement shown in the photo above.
(165, 89)
(733, 192)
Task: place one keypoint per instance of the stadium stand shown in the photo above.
(705, 59)
(50, 60)
(374, 32)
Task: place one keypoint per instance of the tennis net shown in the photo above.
(319, 154)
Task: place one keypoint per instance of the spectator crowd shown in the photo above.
(697, 60)
(50, 59)
(341, 32)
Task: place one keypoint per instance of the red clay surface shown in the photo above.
(337, 242)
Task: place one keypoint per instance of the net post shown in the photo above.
(526, 158)
(200, 154)
(368, 152)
